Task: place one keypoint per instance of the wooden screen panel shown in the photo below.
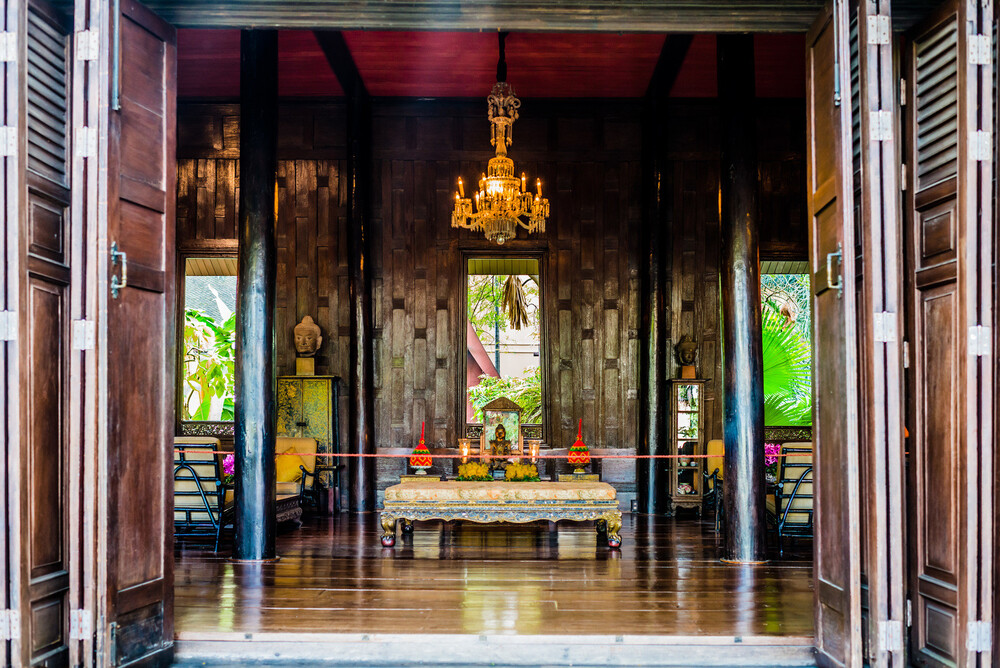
(44, 363)
(936, 458)
(879, 290)
(950, 293)
(835, 428)
(140, 345)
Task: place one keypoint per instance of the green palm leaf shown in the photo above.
(787, 360)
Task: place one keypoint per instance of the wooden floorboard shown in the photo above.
(335, 577)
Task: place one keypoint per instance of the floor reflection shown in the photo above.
(539, 578)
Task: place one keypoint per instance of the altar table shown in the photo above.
(492, 502)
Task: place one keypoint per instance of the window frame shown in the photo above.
(217, 249)
(502, 253)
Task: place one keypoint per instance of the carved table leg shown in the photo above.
(614, 521)
(388, 530)
(407, 526)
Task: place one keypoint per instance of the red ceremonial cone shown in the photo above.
(421, 457)
(579, 454)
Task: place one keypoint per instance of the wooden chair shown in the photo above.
(790, 509)
(199, 494)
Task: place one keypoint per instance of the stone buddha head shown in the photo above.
(307, 337)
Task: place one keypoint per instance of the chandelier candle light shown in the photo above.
(502, 201)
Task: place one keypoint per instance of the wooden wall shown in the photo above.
(588, 156)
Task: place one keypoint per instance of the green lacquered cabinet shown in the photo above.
(305, 408)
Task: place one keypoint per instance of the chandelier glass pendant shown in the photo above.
(502, 201)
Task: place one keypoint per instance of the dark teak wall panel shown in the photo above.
(588, 157)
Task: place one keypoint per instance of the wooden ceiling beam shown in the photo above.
(342, 62)
(675, 48)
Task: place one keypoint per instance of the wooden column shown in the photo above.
(653, 475)
(361, 423)
(743, 382)
(257, 269)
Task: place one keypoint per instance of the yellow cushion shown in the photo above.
(460, 491)
(298, 444)
(283, 488)
(716, 450)
(287, 469)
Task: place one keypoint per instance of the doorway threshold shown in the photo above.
(424, 649)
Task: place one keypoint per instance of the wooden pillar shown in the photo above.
(257, 269)
(743, 382)
(362, 417)
(653, 475)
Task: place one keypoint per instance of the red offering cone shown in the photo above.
(579, 453)
(420, 459)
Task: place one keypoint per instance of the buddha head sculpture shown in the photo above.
(307, 337)
(686, 350)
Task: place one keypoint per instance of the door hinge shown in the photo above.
(80, 627)
(8, 325)
(979, 637)
(84, 334)
(113, 643)
(884, 324)
(8, 47)
(890, 636)
(980, 146)
(906, 365)
(8, 141)
(86, 142)
(10, 624)
(881, 126)
(902, 176)
(88, 44)
(979, 341)
(902, 92)
(879, 29)
(979, 50)
(909, 603)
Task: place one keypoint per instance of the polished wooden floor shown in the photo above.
(335, 577)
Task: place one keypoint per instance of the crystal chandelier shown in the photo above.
(502, 201)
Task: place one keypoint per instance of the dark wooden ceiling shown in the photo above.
(656, 16)
(463, 64)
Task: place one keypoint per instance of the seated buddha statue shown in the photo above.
(499, 447)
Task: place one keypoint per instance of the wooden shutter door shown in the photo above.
(835, 427)
(879, 290)
(949, 294)
(136, 362)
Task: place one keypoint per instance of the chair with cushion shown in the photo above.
(198, 489)
(790, 508)
(715, 449)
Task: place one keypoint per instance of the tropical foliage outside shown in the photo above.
(209, 366)
(498, 305)
(786, 336)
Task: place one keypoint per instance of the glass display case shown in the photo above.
(687, 434)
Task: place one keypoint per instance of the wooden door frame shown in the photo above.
(97, 277)
(14, 200)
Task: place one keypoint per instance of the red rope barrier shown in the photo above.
(390, 455)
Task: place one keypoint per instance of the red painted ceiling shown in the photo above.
(463, 64)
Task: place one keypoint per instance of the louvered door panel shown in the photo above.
(936, 103)
(48, 85)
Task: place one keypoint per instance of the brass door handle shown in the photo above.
(116, 283)
(839, 286)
